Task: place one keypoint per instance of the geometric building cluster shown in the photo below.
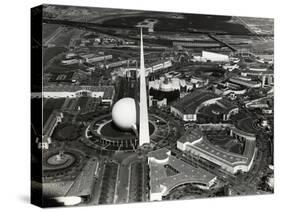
(195, 143)
(168, 172)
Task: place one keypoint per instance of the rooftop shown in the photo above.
(219, 154)
(160, 182)
(226, 105)
(241, 80)
(108, 90)
(189, 103)
(191, 135)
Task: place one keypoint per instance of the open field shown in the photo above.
(48, 29)
(189, 22)
(49, 53)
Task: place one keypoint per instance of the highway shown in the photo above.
(53, 36)
(213, 36)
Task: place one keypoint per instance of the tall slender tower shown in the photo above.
(144, 125)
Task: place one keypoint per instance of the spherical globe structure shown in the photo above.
(124, 114)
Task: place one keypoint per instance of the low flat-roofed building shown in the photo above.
(70, 61)
(245, 82)
(86, 56)
(168, 172)
(98, 58)
(153, 66)
(113, 64)
(256, 72)
(106, 93)
(158, 65)
(228, 88)
(195, 143)
(69, 77)
(211, 56)
(215, 57)
(49, 127)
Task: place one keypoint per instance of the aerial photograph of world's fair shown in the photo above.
(142, 106)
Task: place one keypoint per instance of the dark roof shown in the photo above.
(190, 102)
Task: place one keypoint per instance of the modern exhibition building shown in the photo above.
(194, 143)
(187, 107)
(106, 93)
(167, 172)
(211, 56)
(190, 105)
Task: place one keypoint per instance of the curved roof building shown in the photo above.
(166, 86)
(195, 143)
(188, 106)
(161, 179)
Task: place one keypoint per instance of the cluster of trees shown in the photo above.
(66, 131)
(136, 182)
(108, 183)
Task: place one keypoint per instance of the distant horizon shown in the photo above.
(141, 106)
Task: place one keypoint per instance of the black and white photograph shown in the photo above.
(142, 106)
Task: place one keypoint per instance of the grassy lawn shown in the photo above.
(67, 132)
(49, 53)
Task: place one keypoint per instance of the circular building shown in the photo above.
(103, 133)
